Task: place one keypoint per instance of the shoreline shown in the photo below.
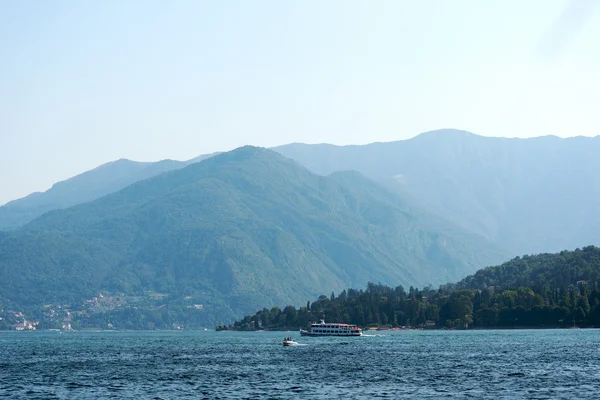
(496, 328)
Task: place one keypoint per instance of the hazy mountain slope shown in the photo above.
(527, 195)
(240, 230)
(88, 186)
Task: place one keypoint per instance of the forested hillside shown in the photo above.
(219, 238)
(524, 195)
(546, 290)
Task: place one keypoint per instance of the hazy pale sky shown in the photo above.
(83, 83)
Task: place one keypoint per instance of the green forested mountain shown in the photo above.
(91, 185)
(545, 290)
(541, 271)
(227, 235)
(527, 195)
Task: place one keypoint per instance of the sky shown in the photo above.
(84, 83)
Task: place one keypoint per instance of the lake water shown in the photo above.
(536, 364)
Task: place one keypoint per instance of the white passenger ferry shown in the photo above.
(325, 329)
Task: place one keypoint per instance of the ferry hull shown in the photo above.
(331, 329)
(307, 333)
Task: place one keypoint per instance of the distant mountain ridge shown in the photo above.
(90, 185)
(527, 195)
(236, 231)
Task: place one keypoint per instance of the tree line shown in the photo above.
(545, 290)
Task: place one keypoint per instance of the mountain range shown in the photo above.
(236, 231)
(90, 185)
(525, 195)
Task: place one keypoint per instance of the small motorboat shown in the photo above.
(289, 342)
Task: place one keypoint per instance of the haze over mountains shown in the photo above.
(527, 195)
(249, 228)
(235, 232)
(91, 185)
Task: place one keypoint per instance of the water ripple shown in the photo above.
(179, 365)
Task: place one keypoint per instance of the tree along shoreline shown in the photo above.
(443, 309)
(541, 291)
(475, 328)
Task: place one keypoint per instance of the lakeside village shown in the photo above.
(72, 317)
(61, 317)
(377, 308)
(91, 314)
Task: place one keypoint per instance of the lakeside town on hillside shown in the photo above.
(69, 317)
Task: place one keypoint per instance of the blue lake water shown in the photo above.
(532, 364)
